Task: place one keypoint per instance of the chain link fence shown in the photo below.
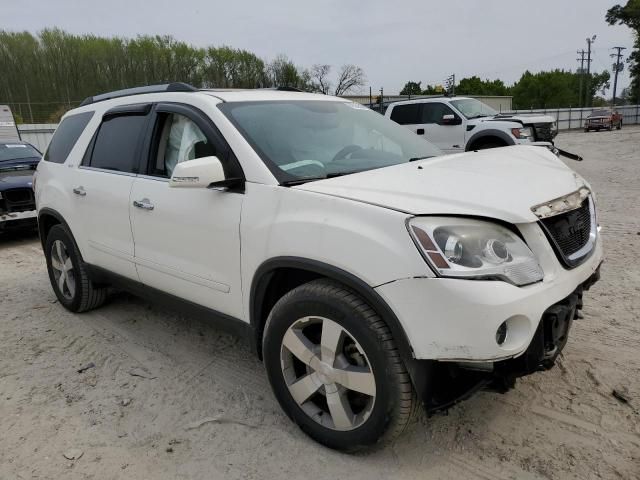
(40, 112)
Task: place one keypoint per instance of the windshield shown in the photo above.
(472, 108)
(600, 113)
(17, 151)
(300, 140)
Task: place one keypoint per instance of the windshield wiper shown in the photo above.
(300, 181)
(415, 159)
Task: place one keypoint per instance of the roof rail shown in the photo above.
(285, 89)
(167, 87)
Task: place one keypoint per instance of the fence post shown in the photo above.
(569, 119)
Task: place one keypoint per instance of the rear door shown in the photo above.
(102, 188)
(187, 240)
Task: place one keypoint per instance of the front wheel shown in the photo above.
(335, 369)
(619, 126)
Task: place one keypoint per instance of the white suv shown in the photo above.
(370, 273)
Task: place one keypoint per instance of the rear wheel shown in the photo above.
(68, 273)
(335, 369)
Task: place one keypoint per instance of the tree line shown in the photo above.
(48, 73)
(551, 89)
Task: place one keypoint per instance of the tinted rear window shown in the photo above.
(406, 114)
(66, 136)
(116, 144)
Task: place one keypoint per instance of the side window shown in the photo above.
(406, 114)
(433, 112)
(177, 139)
(115, 146)
(66, 136)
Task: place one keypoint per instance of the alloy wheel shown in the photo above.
(328, 373)
(63, 270)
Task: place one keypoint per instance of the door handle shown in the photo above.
(420, 131)
(79, 191)
(145, 204)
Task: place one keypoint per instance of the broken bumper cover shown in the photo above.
(440, 385)
(15, 219)
(457, 320)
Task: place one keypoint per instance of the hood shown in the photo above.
(502, 183)
(525, 118)
(16, 174)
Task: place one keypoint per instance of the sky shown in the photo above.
(393, 42)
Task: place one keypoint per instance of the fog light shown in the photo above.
(501, 333)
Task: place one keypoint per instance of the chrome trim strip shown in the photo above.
(593, 234)
(563, 204)
(106, 170)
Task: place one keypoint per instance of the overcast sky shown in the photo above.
(392, 41)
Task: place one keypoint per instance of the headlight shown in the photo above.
(467, 248)
(523, 133)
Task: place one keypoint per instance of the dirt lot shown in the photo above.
(170, 397)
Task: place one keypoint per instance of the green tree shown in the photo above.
(411, 88)
(475, 86)
(556, 88)
(629, 15)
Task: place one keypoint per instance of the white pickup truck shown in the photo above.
(460, 124)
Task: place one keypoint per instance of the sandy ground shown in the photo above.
(170, 397)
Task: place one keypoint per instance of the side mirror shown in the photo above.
(200, 172)
(450, 119)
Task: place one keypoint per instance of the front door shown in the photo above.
(187, 240)
(449, 137)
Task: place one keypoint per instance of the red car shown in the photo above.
(604, 119)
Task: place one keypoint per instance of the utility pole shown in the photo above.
(588, 98)
(617, 68)
(450, 83)
(582, 54)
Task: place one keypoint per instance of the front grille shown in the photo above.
(19, 200)
(570, 232)
(544, 132)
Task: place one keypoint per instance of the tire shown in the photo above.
(78, 293)
(619, 126)
(586, 130)
(323, 307)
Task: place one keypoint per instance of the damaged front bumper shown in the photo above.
(441, 385)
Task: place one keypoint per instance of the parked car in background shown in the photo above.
(371, 273)
(603, 119)
(18, 161)
(460, 124)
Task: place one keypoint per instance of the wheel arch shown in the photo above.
(277, 276)
(487, 136)
(47, 218)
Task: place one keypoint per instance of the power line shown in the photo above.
(617, 68)
(588, 96)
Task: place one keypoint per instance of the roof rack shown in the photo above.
(167, 87)
(285, 89)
